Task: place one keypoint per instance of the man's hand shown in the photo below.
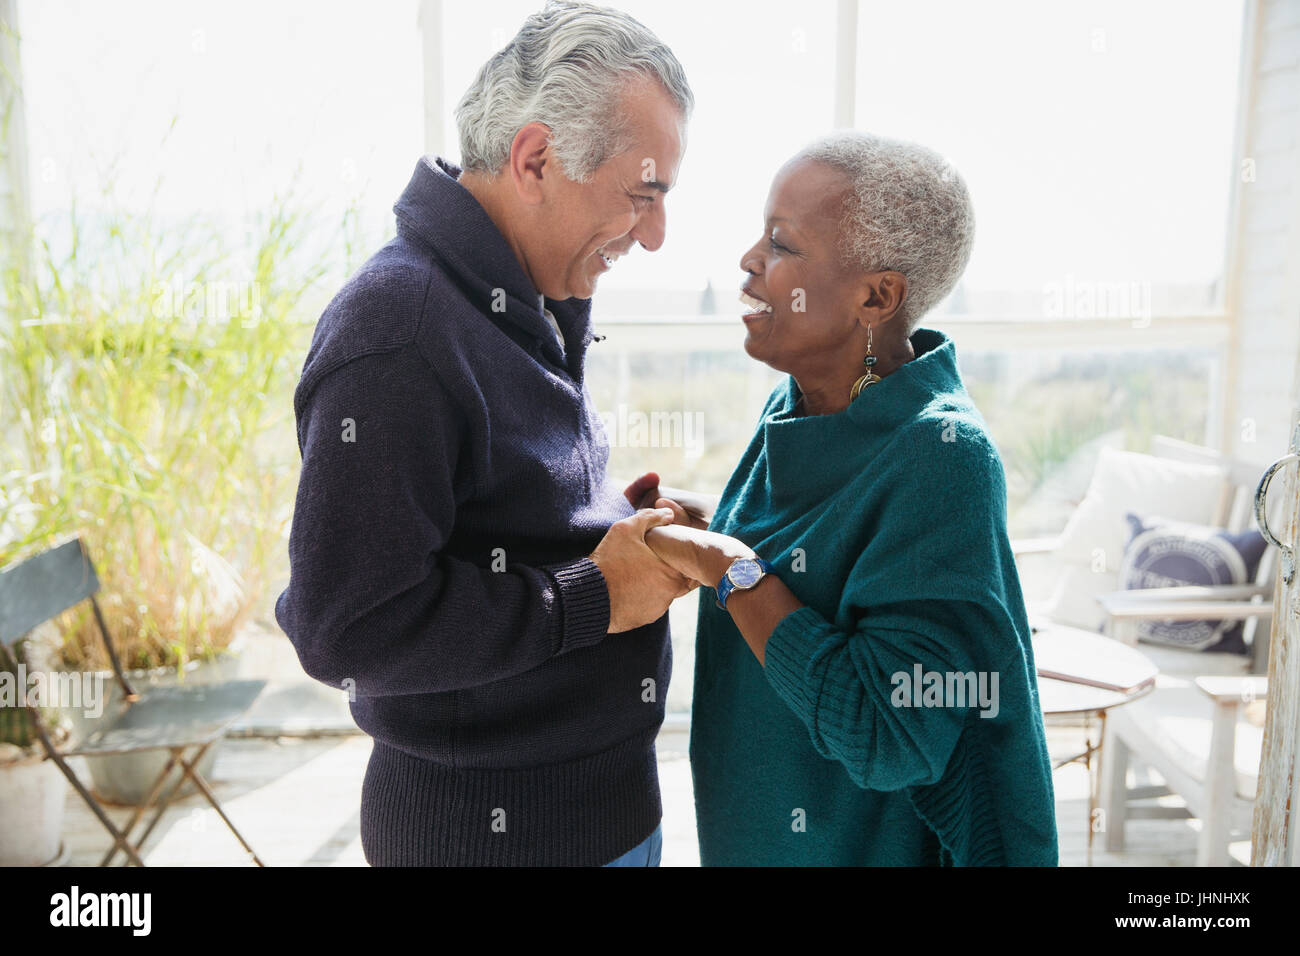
(640, 585)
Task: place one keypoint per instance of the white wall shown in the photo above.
(1264, 287)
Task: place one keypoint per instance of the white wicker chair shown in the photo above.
(1192, 729)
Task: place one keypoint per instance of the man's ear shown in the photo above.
(882, 295)
(530, 160)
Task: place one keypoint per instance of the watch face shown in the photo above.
(745, 573)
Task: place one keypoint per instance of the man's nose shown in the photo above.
(652, 227)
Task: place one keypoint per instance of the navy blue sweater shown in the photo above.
(453, 482)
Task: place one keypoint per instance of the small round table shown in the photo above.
(1073, 665)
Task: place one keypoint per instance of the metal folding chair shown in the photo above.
(178, 719)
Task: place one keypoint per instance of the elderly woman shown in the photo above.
(864, 680)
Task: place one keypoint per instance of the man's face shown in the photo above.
(589, 225)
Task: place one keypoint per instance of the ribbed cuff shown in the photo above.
(584, 599)
(788, 658)
(959, 810)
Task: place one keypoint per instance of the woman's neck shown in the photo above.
(828, 394)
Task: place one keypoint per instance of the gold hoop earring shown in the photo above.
(871, 378)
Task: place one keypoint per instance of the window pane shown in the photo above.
(1096, 139)
(324, 99)
(1050, 411)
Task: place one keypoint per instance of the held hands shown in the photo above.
(660, 553)
(640, 585)
(686, 545)
(689, 550)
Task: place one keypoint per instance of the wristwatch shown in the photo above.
(744, 574)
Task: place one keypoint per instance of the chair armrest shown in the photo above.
(1199, 592)
(1044, 545)
(1233, 690)
(1190, 603)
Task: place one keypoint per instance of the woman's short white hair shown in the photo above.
(567, 68)
(907, 210)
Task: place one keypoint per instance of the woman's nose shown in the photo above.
(751, 262)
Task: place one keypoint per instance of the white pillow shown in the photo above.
(1092, 544)
(1127, 481)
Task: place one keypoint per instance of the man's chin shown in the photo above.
(584, 293)
(568, 294)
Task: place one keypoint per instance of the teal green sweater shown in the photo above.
(888, 520)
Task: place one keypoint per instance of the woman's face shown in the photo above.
(796, 270)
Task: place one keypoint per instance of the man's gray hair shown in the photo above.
(567, 68)
(907, 210)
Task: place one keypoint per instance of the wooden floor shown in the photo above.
(296, 800)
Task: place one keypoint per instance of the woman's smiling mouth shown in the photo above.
(757, 307)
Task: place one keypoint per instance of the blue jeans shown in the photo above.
(646, 854)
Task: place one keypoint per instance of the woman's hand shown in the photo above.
(702, 556)
(691, 508)
(687, 512)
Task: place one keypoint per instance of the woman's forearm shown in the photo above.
(835, 681)
(705, 556)
(758, 611)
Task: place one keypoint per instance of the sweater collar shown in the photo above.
(930, 382)
(930, 376)
(436, 210)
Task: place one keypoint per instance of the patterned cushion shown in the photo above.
(1163, 553)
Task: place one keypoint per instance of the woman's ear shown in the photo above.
(883, 294)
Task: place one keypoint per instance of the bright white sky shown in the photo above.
(1095, 136)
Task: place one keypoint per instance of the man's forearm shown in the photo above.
(373, 597)
(414, 640)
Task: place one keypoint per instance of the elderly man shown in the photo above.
(461, 563)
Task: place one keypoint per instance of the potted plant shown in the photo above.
(151, 371)
(33, 792)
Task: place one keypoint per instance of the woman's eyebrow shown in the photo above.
(789, 224)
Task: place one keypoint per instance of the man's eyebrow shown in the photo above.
(656, 184)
